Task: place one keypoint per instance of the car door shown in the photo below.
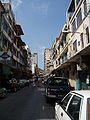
(61, 109)
(73, 109)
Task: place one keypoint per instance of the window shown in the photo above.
(85, 8)
(77, 1)
(58, 81)
(82, 41)
(87, 34)
(65, 101)
(75, 46)
(74, 26)
(9, 33)
(79, 18)
(78, 43)
(5, 25)
(74, 107)
(5, 42)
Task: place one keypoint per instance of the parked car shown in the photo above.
(74, 106)
(23, 82)
(56, 88)
(13, 85)
(3, 92)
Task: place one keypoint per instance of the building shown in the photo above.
(29, 62)
(13, 55)
(48, 65)
(34, 59)
(79, 42)
(29, 57)
(73, 60)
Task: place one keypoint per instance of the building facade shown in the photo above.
(13, 55)
(48, 63)
(72, 55)
(34, 62)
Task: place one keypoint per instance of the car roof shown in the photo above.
(84, 93)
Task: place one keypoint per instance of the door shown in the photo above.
(73, 109)
(60, 110)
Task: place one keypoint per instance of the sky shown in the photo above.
(41, 21)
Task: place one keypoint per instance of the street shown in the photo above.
(27, 104)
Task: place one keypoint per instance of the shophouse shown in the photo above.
(73, 61)
(13, 55)
(48, 65)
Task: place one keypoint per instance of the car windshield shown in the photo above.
(58, 81)
(88, 108)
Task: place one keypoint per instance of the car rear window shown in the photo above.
(58, 81)
(88, 108)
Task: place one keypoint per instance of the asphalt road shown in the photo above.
(26, 104)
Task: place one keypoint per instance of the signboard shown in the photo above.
(5, 55)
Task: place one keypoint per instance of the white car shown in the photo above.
(74, 106)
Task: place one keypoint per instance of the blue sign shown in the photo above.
(5, 55)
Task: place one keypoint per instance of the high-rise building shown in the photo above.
(47, 59)
(34, 60)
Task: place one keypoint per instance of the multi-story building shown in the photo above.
(29, 58)
(28, 65)
(73, 60)
(79, 39)
(13, 55)
(48, 63)
(34, 59)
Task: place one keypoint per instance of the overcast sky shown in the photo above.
(41, 21)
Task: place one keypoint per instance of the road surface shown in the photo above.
(27, 104)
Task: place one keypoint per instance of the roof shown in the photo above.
(84, 93)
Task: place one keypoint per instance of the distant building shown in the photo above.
(29, 63)
(48, 60)
(34, 60)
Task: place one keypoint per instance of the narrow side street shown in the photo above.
(26, 104)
